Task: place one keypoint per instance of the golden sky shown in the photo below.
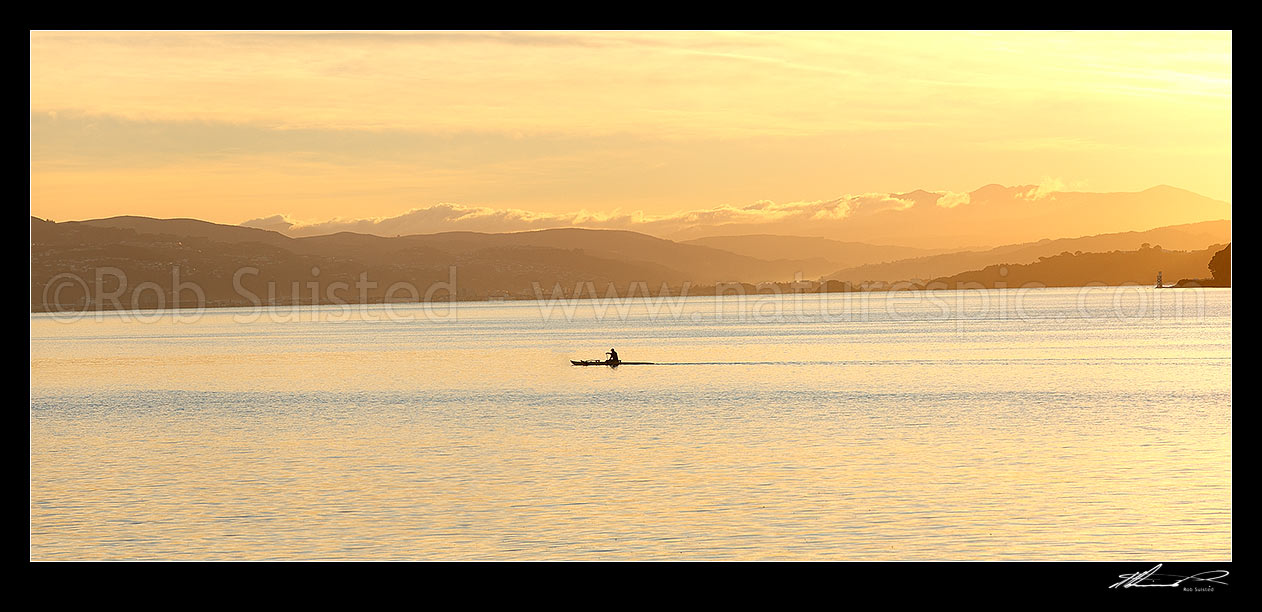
(315, 126)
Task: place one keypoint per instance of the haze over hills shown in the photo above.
(819, 255)
(478, 265)
(990, 216)
(473, 265)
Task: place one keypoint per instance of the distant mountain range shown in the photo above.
(234, 265)
(818, 256)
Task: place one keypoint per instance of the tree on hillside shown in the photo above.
(1220, 266)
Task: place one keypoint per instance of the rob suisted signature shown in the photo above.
(1151, 578)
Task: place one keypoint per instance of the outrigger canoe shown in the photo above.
(608, 362)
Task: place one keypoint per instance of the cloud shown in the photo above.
(438, 218)
(872, 203)
(445, 217)
(951, 199)
(1044, 189)
(276, 223)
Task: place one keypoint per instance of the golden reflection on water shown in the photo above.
(929, 436)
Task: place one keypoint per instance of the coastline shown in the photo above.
(704, 291)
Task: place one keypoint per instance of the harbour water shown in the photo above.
(1049, 424)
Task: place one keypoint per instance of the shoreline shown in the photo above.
(704, 292)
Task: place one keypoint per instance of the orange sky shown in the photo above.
(232, 126)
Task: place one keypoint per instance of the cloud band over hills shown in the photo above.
(990, 215)
(792, 217)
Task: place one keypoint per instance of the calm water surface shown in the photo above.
(1090, 424)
